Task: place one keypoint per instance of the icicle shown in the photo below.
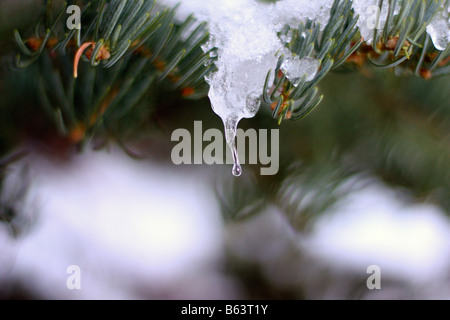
(231, 114)
(439, 30)
(371, 17)
(230, 125)
(243, 45)
(245, 51)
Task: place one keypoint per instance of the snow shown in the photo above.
(247, 45)
(124, 223)
(156, 223)
(294, 12)
(139, 229)
(245, 35)
(374, 226)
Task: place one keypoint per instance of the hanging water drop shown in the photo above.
(237, 170)
(243, 52)
(235, 98)
(287, 38)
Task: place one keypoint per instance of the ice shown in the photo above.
(286, 38)
(439, 29)
(368, 11)
(235, 91)
(209, 45)
(243, 34)
(246, 49)
(244, 45)
(295, 68)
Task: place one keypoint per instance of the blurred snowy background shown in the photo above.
(146, 230)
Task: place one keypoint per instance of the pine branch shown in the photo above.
(402, 45)
(123, 30)
(130, 48)
(130, 51)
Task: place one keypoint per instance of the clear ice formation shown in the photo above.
(245, 35)
(295, 69)
(294, 12)
(439, 29)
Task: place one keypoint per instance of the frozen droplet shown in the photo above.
(209, 45)
(439, 30)
(237, 170)
(230, 124)
(295, 69)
